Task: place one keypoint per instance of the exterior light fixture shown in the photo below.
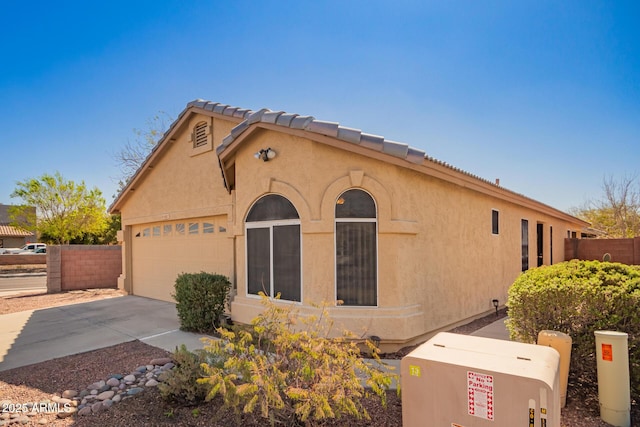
(495, 305)
(265, 154)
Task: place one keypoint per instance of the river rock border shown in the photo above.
(103, 394)
(98, 396)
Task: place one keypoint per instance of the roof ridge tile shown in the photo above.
(301, 122)
(374, 142)
(271, 116)
(349, 134)
(323, 127)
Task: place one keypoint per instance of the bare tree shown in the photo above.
(131, 156)
(617, 213)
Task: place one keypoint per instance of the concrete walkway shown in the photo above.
(496, 330)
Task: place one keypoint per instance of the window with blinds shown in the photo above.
(356, 237)
(274, 248)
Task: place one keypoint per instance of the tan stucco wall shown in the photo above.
(438, 261)
(185, 184)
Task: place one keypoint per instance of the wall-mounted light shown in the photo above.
(265, 154)
(495, 305)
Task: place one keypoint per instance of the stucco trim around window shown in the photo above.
(387, 224)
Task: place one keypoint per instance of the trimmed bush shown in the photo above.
(285, 369)
(578, 298)
(201, 299)
(180, 384)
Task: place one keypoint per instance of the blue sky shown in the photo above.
(543, 95)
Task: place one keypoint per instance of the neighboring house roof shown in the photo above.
(7, 230)
(374, 145)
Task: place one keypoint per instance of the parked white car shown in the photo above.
(29, 247)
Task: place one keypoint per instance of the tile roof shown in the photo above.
(311, 124)
(7, 230)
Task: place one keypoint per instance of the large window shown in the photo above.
(356, 249)
(273, 248)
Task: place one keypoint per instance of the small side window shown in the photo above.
(156, 231)
(495, 215)
(146, 232)
(207, 228)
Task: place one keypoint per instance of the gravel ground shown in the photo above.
(37, 382)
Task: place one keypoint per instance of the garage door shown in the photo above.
(163, 250)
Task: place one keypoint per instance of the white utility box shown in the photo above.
(457, 380)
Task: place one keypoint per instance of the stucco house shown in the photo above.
(316, 211)
(11, 236)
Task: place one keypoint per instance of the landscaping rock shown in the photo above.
(69, 394)
(67, 412)
(161, 361)
(113, 382)
(85, 411)
(105, 395)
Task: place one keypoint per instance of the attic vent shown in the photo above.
(200, 135)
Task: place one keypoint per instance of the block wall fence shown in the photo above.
(625, 251)
(23, 259)
(72, 267)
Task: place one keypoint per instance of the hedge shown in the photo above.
(579, 298)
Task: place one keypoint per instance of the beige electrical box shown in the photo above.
(457, 380)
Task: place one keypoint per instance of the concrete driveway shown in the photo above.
(37, 335)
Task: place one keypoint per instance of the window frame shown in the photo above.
(524, 242)
(270, 224)
(337, 220)
(495, 222)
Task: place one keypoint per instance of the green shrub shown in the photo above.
(180, 384)
(286, 369)
(578, 298)
(200, 300)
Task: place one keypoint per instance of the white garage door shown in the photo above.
(161, 251)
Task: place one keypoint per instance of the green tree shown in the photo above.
(131, 156)
(617, 213)
(64, 210)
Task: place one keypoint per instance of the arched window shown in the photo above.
(356, 249)
(273, 248)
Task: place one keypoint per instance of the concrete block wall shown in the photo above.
(625, 251)
(72, 267)
(23, 259)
